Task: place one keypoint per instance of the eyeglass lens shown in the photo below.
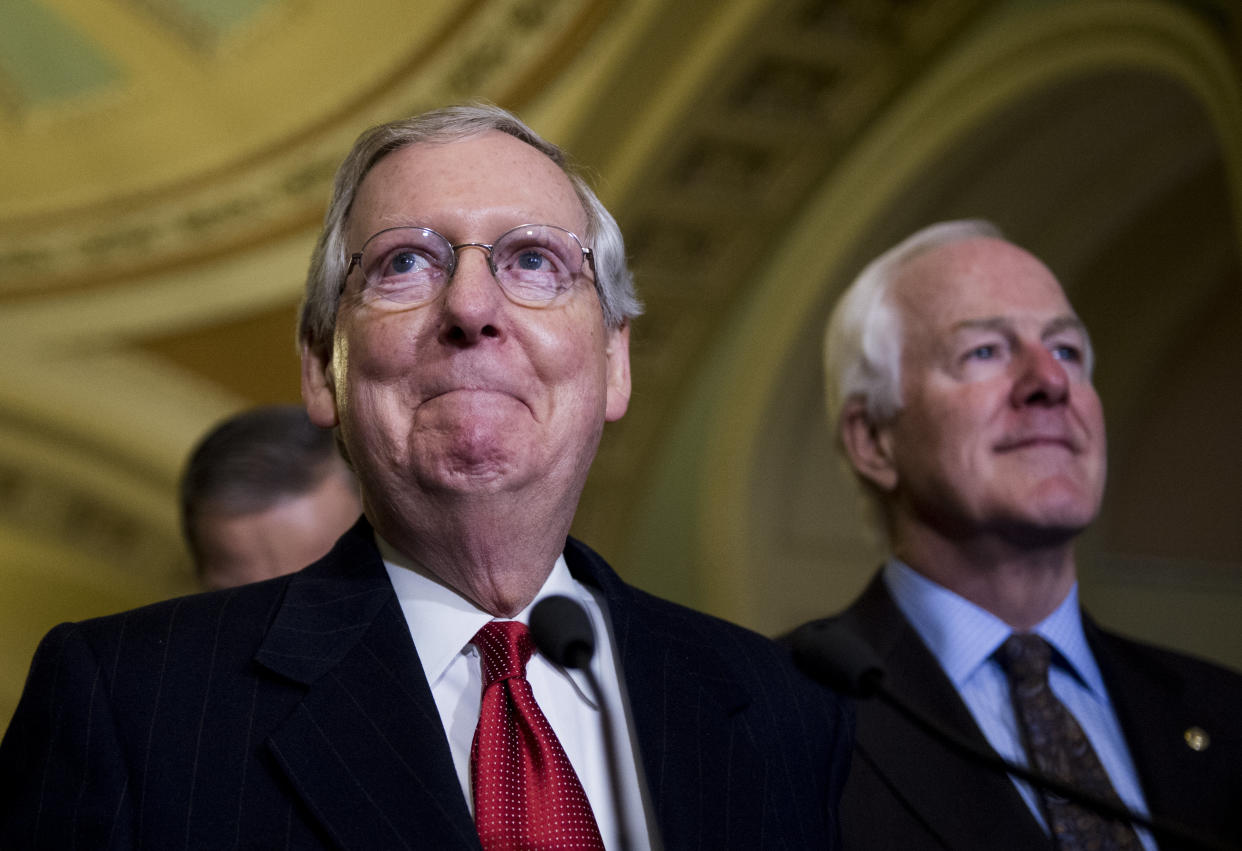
(408, 265)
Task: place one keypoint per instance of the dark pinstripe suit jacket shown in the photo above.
(294, 714)
(906, 791)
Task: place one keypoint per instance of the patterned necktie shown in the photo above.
(1057, 746)
(526, 794)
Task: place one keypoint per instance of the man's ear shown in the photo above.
(618, 353)
(318, 387)
(869, 447)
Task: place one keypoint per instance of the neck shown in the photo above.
(1021, 583)
(495, 553)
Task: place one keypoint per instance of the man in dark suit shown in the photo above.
(468, 346)
(959, 381)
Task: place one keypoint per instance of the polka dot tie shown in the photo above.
(527, 796)
(1057, 745)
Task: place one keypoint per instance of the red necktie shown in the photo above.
(526, 794)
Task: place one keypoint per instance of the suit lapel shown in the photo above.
(964, 805)
(365, 749)
(1169, 771)
(684, 711)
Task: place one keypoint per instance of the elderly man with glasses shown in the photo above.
(465, 330)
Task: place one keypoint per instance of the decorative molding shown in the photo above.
(710, 208)
(493, 46)
(45, 505)
(735, 364)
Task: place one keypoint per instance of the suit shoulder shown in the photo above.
(677, 628)
(588, 566)
(1163, 664)
(710, 628)
(236, 612)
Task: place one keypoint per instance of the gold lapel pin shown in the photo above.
(1197, 738)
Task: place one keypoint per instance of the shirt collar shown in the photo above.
(442, 622)
(1063, 630)
(963, 636)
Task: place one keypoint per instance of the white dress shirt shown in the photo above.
(964, 638)
(443, 624)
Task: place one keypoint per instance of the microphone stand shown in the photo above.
(610, 748)
(562, 632)
(833, 655)
(1111, 809)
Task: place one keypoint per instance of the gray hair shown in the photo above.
(317, 320)
(863, 342)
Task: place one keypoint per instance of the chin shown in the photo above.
(466, 450)
(1054, 524)
(1038, 535)
(1062, 501)
(469, 475)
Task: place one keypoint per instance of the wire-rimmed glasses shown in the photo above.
(411, 265)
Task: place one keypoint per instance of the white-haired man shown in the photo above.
(465, 330)
(959, 382)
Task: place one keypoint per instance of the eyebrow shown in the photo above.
(1001, 323)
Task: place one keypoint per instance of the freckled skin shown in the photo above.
(470, 418)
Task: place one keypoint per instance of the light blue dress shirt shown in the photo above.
(964, 638)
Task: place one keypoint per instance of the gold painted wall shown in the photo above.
(158, 203)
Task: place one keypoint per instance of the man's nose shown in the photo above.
(1041, 378)
(472, 300)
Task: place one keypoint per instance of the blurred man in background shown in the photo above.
(264, 493)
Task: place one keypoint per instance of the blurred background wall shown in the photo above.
(164, 166)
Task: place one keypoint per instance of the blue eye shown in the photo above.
(531, 261)
(1067, 353)
(403, 262)
(986, 352)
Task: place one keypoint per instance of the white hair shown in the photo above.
(317, 321)
(864, 338)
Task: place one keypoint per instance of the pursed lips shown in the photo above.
(1014, 443)
(471, 388)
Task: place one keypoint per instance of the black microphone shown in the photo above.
(836, 656)
(562, 632)
(832, 654)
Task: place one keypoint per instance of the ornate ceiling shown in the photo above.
(164, 165)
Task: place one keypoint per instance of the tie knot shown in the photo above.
(505, 647)
(1026, 657)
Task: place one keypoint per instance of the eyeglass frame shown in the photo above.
(355, 259)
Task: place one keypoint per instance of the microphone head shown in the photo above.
(832, 654)
(562, 631)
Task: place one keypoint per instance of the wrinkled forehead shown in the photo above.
(977, 279)
(473, 185)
